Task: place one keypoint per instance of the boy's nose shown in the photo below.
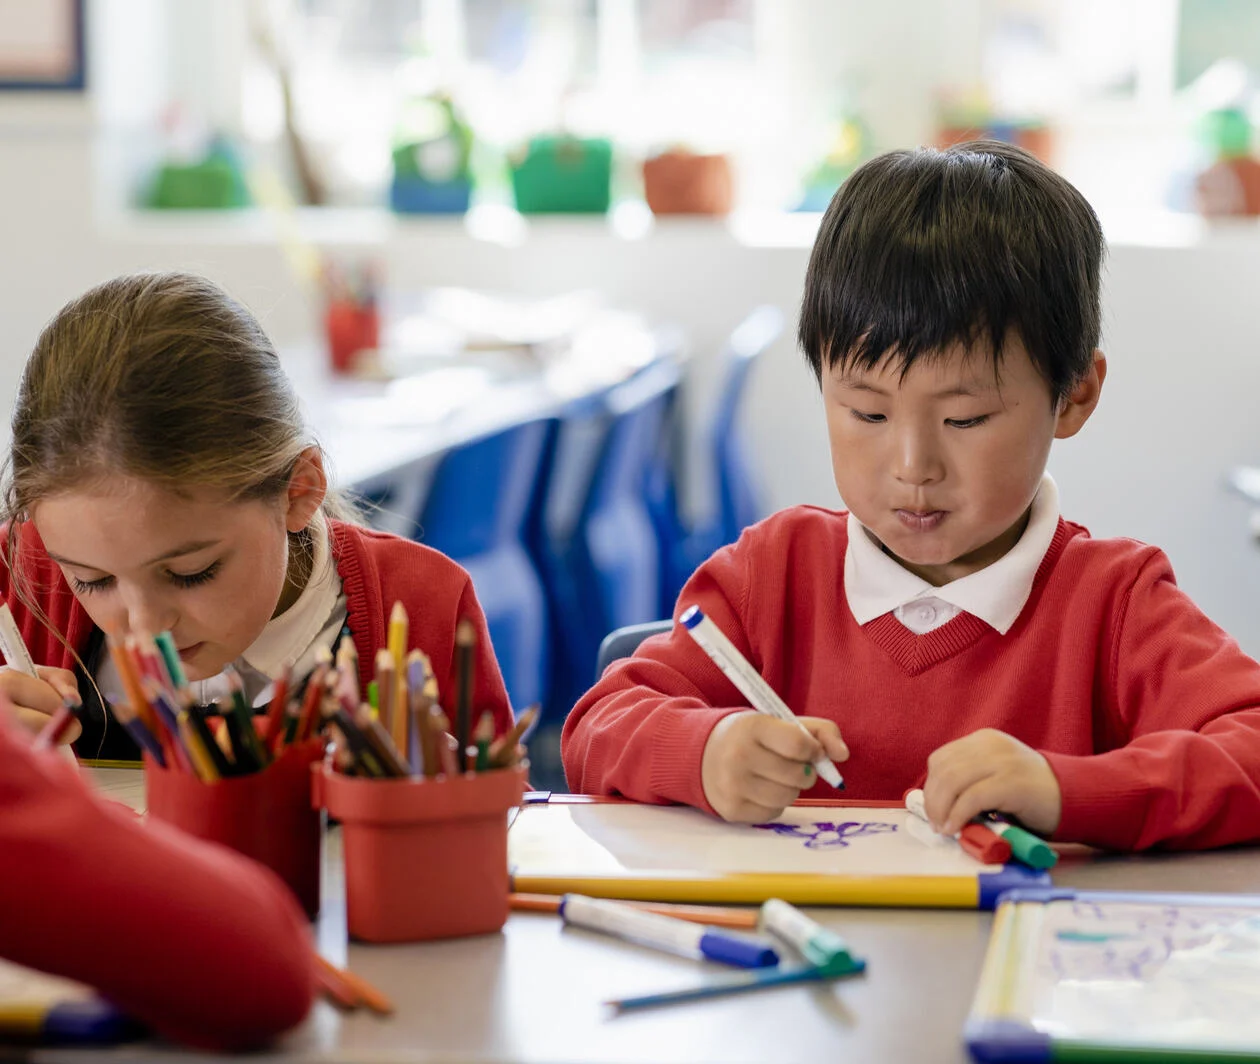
(917, 460)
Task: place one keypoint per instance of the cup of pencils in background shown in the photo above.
(219, 772)
(422, 801)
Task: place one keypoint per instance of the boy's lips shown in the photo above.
(921, 520)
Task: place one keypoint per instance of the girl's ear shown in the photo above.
(308, 484)
(1079, 403)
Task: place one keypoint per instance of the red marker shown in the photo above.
(980, 842)
(984, 845)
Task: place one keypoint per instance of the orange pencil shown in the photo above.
(125, 665)
(713, 915)
(368, 994)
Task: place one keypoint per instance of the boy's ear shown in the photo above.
(1079, 403)
(308, 484)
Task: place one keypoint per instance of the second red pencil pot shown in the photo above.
(266, 815)
(424, 858)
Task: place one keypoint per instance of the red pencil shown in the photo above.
(275, 711)
(58, 724)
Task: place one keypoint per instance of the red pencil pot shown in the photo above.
(266, 815)
(424, 858)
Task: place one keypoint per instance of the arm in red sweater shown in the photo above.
(640, 732)
(1188, 700)
(199, 943)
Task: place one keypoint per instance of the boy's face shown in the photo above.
(943, 463)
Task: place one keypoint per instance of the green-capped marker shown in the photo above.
(819, 945)
(1025, 846)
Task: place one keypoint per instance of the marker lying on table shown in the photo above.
(1025, 846)
(813, 940)
(761, 696)
(664, 932)
(977, 840)
(817, 944)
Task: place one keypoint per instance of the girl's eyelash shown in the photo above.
(86, 587)
(194, 579)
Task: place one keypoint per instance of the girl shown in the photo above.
(161, 478)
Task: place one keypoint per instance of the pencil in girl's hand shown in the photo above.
(59, 723)
(465, 644)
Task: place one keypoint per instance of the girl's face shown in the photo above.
(141, 558)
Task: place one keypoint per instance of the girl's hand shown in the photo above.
(36, 699)
(754, 766)
(989, 769)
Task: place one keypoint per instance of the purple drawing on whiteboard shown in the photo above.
(823, 834)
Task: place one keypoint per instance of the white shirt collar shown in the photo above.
(286, 638)
(875, 584)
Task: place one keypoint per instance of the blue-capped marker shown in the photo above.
(751, 684)
(665, 932)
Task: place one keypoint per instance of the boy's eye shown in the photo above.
(86, 587)
(868, 419)
(966, 422)
(194, 579)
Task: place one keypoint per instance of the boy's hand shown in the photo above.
(989, 769)
(36, 699)
(754, 766)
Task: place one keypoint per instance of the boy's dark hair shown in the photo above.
(923, 249)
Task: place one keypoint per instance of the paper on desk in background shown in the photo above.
(487, 319)
(424, 399)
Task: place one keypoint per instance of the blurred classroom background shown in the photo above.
(536, 264)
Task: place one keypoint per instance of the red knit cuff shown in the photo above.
(678, 745)
(1101, 806)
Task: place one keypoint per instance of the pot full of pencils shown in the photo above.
(220, 773)
(423, 804)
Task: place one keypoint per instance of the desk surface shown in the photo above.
(533, 994)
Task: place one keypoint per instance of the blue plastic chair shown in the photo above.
(476, 512)
(595, 540)
(734, 475)
(622, 642)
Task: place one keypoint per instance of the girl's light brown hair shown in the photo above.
(159, 376)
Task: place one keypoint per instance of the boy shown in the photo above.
(955, 628)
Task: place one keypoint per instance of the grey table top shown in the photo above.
(534, 993)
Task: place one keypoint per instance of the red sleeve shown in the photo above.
(640, 732)
(203, 945)
(1187, 700)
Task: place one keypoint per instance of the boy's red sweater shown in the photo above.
(203, 945)
(1148, 713)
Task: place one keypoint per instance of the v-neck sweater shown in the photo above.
(1147, 712)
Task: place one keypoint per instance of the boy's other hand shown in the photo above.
(36, 698)
(754, 766)
(989, 769)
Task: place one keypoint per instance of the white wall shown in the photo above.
(1182, 332)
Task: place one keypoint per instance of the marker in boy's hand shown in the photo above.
(754, 766)
(989, 769)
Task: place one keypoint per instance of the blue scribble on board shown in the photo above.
(824, 834)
